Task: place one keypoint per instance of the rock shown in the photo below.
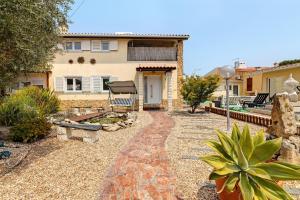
(283, 117)
(105, 125)
(122, 124)
(290, 150)
(96, 123)
(130, 121)
(112, 127)
(293, 97)
(132, 115)
(4, 132)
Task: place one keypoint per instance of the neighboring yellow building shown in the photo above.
(272, 80)
(88, 61)
(243, 83)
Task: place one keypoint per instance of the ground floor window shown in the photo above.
(74, 83)
(235, 90)
(105, 80)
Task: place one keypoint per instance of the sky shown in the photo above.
(259, 32)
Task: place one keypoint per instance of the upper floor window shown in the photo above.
(73, 46)
(105, 45)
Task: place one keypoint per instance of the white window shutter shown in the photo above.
(113, 45)
(113, 78)
(86, 84)
(97, 85)
(86, 45)
(96, 45)
(59, 84)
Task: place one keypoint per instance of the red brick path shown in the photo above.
(142, 171)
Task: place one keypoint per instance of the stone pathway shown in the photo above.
(142, 170)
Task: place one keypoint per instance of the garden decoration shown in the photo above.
(243, 167)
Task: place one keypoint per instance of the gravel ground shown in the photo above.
(184, 146)
(67, 170)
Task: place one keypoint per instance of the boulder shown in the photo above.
(290, 150)
(4, 132)
(122, 124)
(283, 117)
(111, 127)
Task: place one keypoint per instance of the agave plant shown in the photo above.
(243, 160)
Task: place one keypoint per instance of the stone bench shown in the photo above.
(88, 133)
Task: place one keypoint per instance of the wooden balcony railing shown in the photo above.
(152, 54)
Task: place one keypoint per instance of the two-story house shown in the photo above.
(87, 62)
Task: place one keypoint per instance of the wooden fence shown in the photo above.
(247, 117)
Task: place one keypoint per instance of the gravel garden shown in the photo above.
(137, 155)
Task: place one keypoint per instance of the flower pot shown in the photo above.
(224, 195)
(236, 194)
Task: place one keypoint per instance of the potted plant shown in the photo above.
(242, 167)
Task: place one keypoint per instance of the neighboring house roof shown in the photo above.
(124, 35)
(251, 69)
(271, 69)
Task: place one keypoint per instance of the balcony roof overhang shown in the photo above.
(155, 68)
(127, 35)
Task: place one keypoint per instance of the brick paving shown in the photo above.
(142, 170)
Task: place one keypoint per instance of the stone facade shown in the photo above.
(67, 104)
(179, 103)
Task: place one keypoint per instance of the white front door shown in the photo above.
(153, 89)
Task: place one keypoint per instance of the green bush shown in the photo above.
(26, 112)
(15, 109)
(27, 103)
(45, 100)
(30, 130)
(289, 62)
(198, 89)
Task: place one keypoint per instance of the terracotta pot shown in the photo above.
(224, 195)
(236, 194)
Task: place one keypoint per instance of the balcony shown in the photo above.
(152, 54)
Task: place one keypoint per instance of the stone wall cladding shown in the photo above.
(179, 102)
(67, 104)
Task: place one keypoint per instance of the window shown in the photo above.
(230, 87)
(69, 46)
(26, 84)
(105, 80)
(105, 45)
(249, 84)
(96, 45)
(235, 90)
(74, 84)
(77, 45)
(73, 46)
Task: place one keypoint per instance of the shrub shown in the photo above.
(15, 109)
(45, 100)
(289, 62)
(30, 130)
(26, 112)
(197, 89)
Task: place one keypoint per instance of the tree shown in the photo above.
(29, 33)
(197, 89)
